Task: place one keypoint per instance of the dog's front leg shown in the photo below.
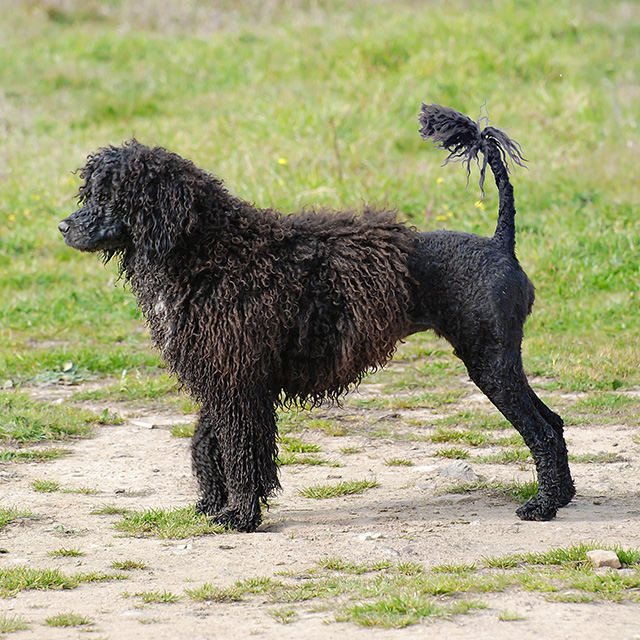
(244, 430)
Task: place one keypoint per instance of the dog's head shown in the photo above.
(134, 198)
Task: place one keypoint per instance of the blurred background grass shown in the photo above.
(298, 102)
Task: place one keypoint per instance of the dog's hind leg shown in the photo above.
(501, 377)
(567, 489)
(245, 430)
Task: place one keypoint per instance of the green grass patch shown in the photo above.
(10, 624)
(384, 595)
(16, 579)
(519, 491)
(183, 430)
(32, 455)
(398, 462)
(175, 524)
(68, 620)
(158, 597)
(66, 553)
(110, 510)
(11, 514)
(209, 593)
(45, 486)
(25, 420)
(454, 453)
(346, 488)
(128, 565)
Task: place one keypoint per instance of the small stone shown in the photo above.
(604, 558)
(461, 470)
(369, 535)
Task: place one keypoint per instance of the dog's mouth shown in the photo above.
(91, 237)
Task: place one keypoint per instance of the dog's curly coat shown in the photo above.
(253, 309)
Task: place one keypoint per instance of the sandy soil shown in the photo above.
(139, 464)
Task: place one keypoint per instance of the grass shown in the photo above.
(23, 420)
(10, 624)
(519, 491)
(128, 565)
(158, 597)
(386, 595)
(174, 524)
(346, 488)
(66, 553)
(68, 620)
(11, 514)
(16, 579)
(45, 486)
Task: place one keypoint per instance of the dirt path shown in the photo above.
(406, 518)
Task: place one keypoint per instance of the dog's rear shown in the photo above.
(473, 291)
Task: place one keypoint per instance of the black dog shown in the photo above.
(253, 309)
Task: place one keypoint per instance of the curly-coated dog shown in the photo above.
(253, 309)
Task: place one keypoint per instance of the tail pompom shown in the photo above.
(464, 139)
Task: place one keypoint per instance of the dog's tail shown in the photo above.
(464, 139)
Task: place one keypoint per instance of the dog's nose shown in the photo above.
(63, 226)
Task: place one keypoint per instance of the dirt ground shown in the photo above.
(406, 518)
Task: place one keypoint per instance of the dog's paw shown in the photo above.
(210, 505)
(238, 519)
(566, 494)
(537, 509)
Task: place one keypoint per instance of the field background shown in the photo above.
(301, 102)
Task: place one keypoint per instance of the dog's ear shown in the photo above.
(165, 210)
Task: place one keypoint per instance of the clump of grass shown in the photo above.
(10, 624)
(472, 437)
(32, 455)
(286, 458)
(128, 565)
(398, 462)
(183, 430)
(510, 616)
(209, 593)
(519, 491)
(25, 420)
(11, 514)
(158, 597)
(66, 553)
(347, 451)
(284, 615)
(15, 579)
(295, 445)
(174, 524)
(454, 453)
(68, 620)
(346, 488)
(45, 486)
(110, 510)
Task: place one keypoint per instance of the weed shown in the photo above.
(110, 510)
(68, 620)
(398, 462)
(208, 593)
(128, 565)
(11, 624)
(66, 553)
(157, 597)
(346, 488)
(10, 514)
(167, 523)
(45, 486)
(510, 616)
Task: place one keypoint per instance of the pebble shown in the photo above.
(461, 470)
(604, 558)
(370, 535)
